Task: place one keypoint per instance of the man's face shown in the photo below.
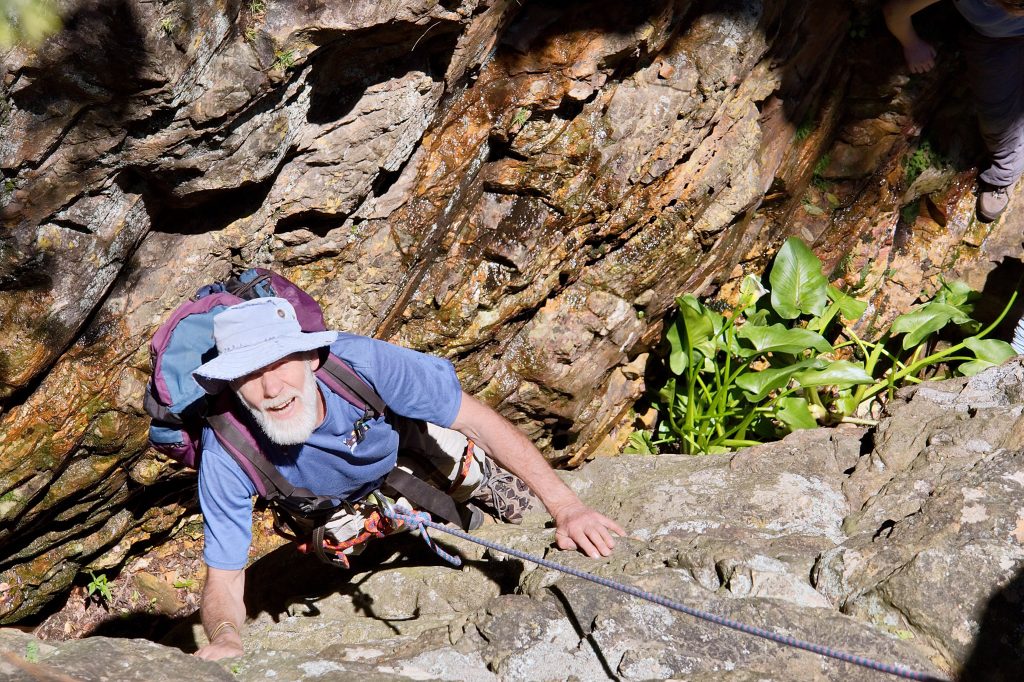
(283, 398)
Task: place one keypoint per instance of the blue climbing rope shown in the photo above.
(421, 521)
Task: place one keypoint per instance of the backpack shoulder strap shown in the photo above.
(269, 482)
(344, 381)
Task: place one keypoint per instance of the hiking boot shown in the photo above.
(502, 493)
(992, 202)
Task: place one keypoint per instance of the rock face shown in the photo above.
(905, 545)
(522, 187)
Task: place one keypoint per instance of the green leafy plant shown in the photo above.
(919, 160)
(806, 127)
(283, 59)
(251, 35)
(167, 25)
(100, 587)
(522, 114)
(786, 358)
(184, 583)
(257, 6)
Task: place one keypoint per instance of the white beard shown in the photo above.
(296, 429)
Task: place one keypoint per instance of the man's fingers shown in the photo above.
(587, 547)
(613, 527)
(602, 540)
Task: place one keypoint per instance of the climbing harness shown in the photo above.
(420, 521)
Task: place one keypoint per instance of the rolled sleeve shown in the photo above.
(411, 383)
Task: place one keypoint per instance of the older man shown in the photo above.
(994, 51)
(306, 430)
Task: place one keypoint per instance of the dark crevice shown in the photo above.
(385, 180)
(138, 499)
(317, 223)
(584, 635)
(71, 225)
(500, 260)
(499, 148)
(214, 209)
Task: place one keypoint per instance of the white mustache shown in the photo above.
(280, 401)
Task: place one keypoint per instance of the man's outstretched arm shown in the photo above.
(223, 612)
(919, 54)
(577, 526)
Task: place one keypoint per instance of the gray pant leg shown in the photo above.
(995, 67)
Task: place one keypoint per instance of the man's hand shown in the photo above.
(223, 612)
(227, 645)
(920, 56)
(577, 526)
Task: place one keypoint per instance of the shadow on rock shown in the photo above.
(998, 653)
(286, 582)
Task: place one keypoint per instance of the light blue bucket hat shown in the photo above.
(253, 334)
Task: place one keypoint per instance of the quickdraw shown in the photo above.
(467, 463)
(377, 524)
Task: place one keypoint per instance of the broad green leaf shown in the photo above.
(849, 307)
(841, 373)
(793, 412)
(957, 294)
(758, 318)
(798, 287)
(920, 323)
(757, 385)
(778, 339)
(847, 402)
(813, 210)
(678, 359)
(700, 324)
(969, 369)
(990, 350)
(640, 443)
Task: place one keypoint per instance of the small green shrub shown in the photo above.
(283, 59)
(787, 359)
(100, 587)
(921, 159)
(522, 114)
(806, 127)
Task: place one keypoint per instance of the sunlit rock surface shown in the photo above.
(904, 545)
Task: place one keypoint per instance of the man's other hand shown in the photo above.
(227, 645)
(920, 56)
(577, 526)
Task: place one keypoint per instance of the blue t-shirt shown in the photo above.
(410, 383)
(989, 19)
